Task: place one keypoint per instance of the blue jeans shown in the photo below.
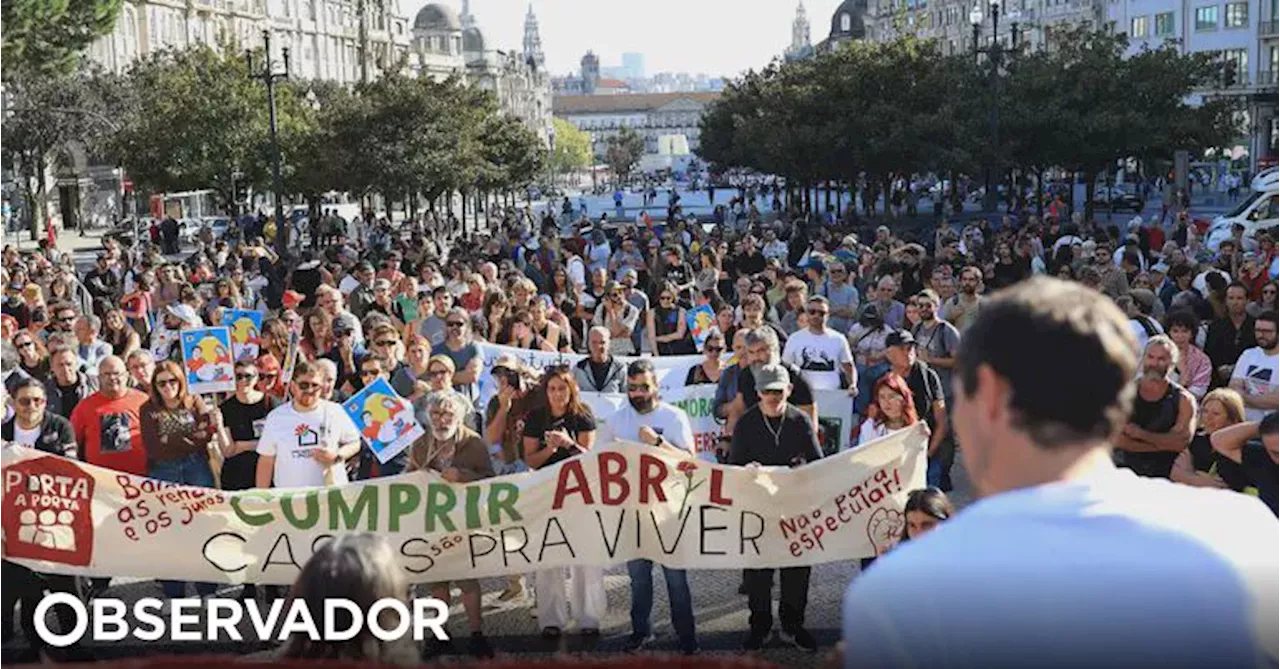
(678, 595)
(191, 470)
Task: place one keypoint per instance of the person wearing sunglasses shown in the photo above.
(306, 441)
(648, 420)
(822, 354)
(459, 346)
(33, 358)
(709, 370)
(244, 415)
(33, 426)
(179, 429)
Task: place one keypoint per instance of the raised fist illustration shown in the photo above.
(884, 529)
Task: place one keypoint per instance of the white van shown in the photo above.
(1259, 211)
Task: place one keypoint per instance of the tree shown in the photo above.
(623, 151)
(51, 117)
(199, 121)
(572, 150)
(45, 37)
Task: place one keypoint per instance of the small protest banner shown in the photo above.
(246, 333)
(206, 355)
(384, 418)
(290, 357)
(620, 501)
(700, 321)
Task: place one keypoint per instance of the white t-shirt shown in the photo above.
(1104, 572)
(870, 431)
(1261, 374)
(24, 437)
(290, 436)
(819, 356)
(665, 419)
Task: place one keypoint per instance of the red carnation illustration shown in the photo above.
(688, 468)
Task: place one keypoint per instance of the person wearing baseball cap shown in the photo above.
(776, 433)
(928, 396)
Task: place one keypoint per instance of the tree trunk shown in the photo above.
(1040, 193)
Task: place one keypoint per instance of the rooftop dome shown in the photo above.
(847, 20)
(437, 17)
(472, 40)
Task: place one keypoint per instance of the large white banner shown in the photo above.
(835, 407)
(618, 502)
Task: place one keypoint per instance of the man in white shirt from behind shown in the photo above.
(1067, 561)
(307, 441)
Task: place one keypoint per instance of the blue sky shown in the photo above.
(718, 37)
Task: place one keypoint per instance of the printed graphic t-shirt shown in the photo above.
(819, 356)
(290, 436)
(109, 431)
(1261, 374)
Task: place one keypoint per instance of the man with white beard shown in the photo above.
(1164, 414)
(459, 455)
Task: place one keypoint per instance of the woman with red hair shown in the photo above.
(892, 408)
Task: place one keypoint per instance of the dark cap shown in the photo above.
(900, 338)
(869, 311)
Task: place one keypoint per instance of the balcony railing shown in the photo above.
(1267, 78)
(1268, 28)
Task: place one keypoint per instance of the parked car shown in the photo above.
(1118, 198)
(218, 225)
(123, 231)
(188, 229)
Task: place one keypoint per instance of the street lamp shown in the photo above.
(995, 52)
(269, 76)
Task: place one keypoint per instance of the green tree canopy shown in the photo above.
(46, 37)
(623, 151)
(572, 150)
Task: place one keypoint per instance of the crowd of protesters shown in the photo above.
(93, 368)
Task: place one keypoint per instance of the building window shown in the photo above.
(1239, 58)
(1138, 27)
(846, 23)
(1206, 18)
(1237, 15)
(1164, 24)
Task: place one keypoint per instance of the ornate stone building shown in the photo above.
(800, 48)
(446, 43)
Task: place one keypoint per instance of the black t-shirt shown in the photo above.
(541, 421)
(787, 441)
(244, 422)
(1205, 459)
(926, 388)
(801, 391)
(1261, 472)
(306, 281)
(67, 396)
(600, 371)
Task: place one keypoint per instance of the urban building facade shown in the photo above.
(658, 117)
(325, 38)
(950, 21)
(1240, 33)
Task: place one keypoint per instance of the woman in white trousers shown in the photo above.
(585, 602)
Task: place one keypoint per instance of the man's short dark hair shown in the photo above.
(1238, 284)
(28, 382)
(1067, 353)
(1268, 315)
(1270, 424)
(640, 367)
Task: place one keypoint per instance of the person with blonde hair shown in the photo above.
(361, 568)
(1199, 465)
